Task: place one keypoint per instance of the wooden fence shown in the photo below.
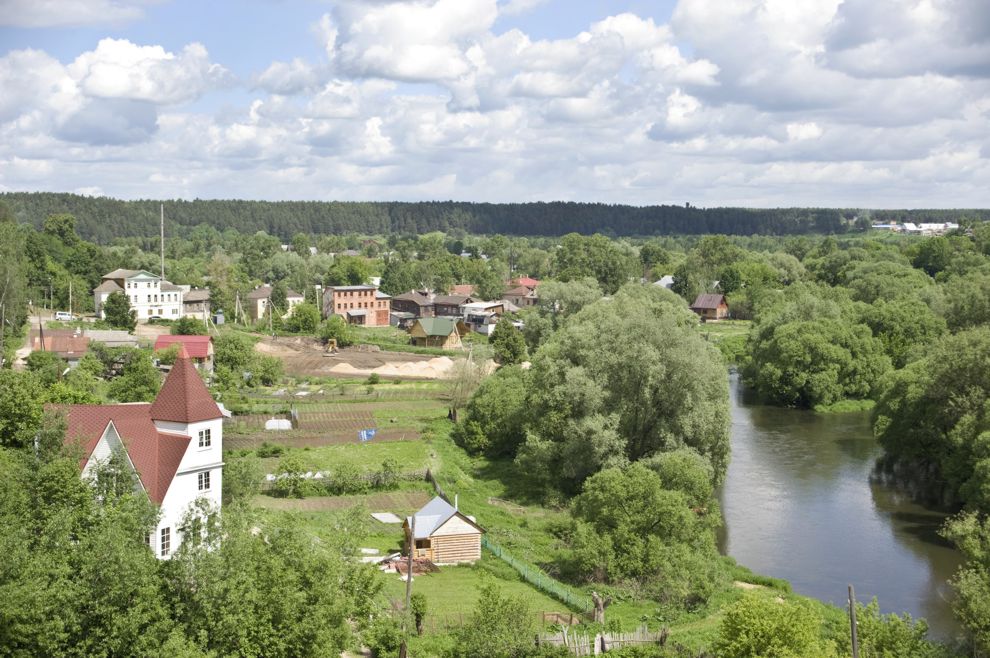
(581, 644)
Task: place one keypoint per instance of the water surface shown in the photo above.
(799, 505)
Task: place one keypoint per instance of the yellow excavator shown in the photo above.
(331, 347)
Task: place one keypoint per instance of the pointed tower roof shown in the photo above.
(183, 397)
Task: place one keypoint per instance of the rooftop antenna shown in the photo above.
(162, 241)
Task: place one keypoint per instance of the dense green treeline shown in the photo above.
(103, 219)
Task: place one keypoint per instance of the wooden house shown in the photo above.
(450, 305)
(416, 303)
(443, 534)
(444, 333)
(711, 307)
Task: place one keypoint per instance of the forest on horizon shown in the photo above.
(103, 219)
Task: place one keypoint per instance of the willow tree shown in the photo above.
(627, 377)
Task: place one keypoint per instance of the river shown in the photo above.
(799, 505)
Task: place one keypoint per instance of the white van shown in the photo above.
(64, 316)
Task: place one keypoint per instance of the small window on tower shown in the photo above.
(204, 438)
(204, 481)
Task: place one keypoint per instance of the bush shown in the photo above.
(335, 327)
(758, 627)
(388, 477)
(373, 378)
(347, 479)
(267, 449)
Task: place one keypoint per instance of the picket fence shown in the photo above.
(581, 644)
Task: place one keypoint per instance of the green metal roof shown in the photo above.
(438, 326)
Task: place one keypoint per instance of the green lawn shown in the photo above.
(412, 455)
(453, 591)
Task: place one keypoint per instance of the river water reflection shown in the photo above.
(799, 505)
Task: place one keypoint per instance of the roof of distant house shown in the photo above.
(433, 515)
(168, 286)
(438, 326)
(63, 345)
(462, 289)
(197, 347)
(348, 288)
(525, 281)
(111, 337)
(122, 274)
(452, 300)
(708, 301)
(414, 296)
(196, 295)
(109, 285)
(183, 397)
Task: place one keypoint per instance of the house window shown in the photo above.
(204, 438)
(166, 542)
(175, 311)
(203, 481)
(149, 299)
(147, 539)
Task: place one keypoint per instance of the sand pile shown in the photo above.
(436, 368)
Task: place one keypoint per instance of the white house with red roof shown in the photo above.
(175, 445)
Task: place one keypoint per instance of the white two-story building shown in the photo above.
(150, 296)
(174, 444)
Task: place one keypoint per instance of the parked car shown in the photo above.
(64, 316)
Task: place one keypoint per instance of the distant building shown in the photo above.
(68, 345)
(364, 305)
(198, 348)
(259, 298)
(150, 296)
(443, 333)
(450, 305)
(196, 303)
(174, 445)
(711, 306)
(418, 304)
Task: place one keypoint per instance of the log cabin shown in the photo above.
(443, 534)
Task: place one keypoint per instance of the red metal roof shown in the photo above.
(525, 281)
(64, 346)
(156, 455)
(197, 347)
(183, 397)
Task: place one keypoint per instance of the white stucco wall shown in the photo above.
(184, 489)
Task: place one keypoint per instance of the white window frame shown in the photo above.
(203, 481)
(205, 438)
(166, 541)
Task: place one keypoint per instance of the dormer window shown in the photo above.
(204, 438)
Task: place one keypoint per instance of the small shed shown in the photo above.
(711, 307)
(443, 534)
(444, 333)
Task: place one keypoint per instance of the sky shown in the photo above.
(854, 103)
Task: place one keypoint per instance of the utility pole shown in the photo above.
(853, 631)
(162, 240)
(70, 296)
(412, 547)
